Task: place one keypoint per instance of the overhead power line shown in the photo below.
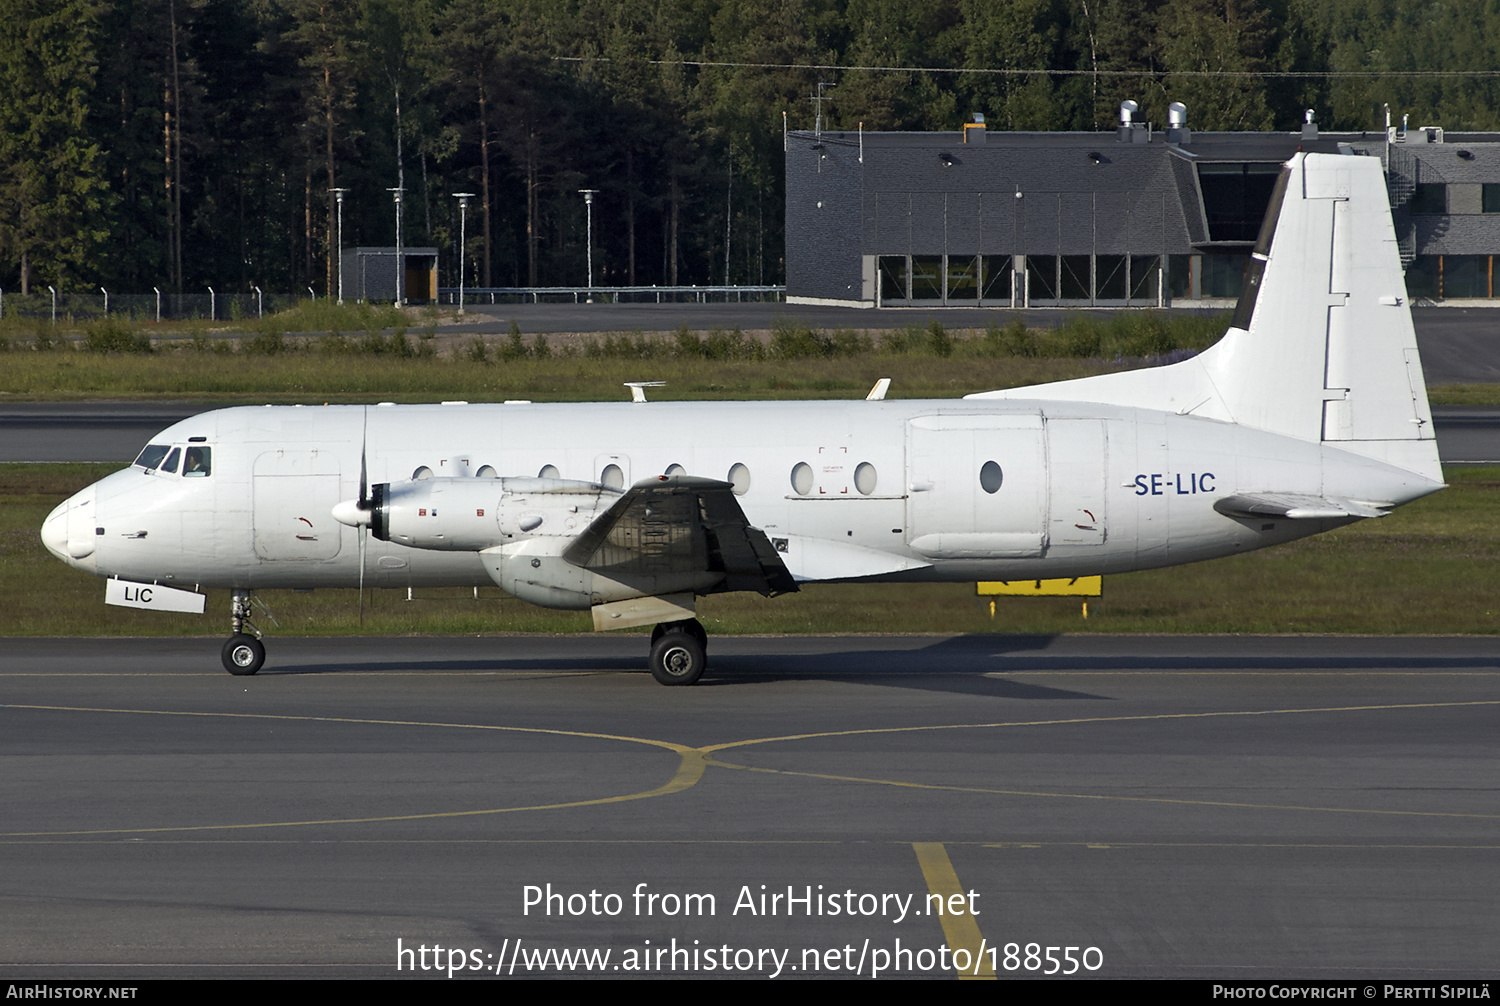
(1014, 72)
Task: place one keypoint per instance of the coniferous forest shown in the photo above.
(176, 143)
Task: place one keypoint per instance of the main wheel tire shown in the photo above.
(243, 654)
(677, 657)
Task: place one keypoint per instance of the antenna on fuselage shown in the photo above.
(638, 388)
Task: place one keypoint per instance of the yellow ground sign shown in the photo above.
(1078, 586)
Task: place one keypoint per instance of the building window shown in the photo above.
(1223, 274)
(892, 278)
(1041, 277)
(1430, 197)
(1490, 198)
(963, 277)
(1109, 277)
(927, 277)
(1465, 276)
(1235, 197)
(1075, 277)
(997, 279)
(1145, 278)
(1422, 276)
(1180, 276)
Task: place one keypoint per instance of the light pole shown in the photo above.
(588, 202)
(338, 195)
(400, 259)
(463, 222)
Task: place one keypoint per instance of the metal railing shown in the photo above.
(69, 307)
(611, 294)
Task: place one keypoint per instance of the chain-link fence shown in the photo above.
(67, 308)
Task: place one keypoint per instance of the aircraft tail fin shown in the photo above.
(1321, 346)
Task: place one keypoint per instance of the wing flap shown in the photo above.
(675, 524)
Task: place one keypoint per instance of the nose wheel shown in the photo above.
(679, 652)
(243, 652)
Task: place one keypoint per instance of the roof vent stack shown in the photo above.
(1177, 127)
(1130, 130)
(974, 131)
(1309, 125)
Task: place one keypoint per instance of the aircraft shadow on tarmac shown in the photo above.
(962, 665)
(972, 664)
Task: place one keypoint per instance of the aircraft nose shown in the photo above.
(68, 531)
(55, 532)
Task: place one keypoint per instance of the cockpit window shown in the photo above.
(198, 462)
(170, 465)
(152, 455)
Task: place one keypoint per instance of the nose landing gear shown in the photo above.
(243, 652)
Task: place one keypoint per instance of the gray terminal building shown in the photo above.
(1135, 217)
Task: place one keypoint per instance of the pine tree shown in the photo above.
(52, 187)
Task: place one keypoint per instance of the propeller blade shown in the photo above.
(364, 481)
(363, 529)
(364, 533)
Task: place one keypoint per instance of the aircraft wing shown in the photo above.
(681, 524)
(1297, 506)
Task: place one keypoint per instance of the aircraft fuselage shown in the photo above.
(902, 490)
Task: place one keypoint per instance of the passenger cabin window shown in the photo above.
(197, 462)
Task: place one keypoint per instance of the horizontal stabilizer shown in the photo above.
(1297, 506)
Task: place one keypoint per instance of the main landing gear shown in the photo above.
(243, 653)
(679, 652)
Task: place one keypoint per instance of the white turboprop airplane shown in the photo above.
(1309, 414)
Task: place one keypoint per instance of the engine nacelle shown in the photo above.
(534, 570)
(473, 514)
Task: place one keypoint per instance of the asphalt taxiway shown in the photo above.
(1232, 807)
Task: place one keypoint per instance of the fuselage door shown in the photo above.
(977, 486)
(1079, 464)
(294, 495)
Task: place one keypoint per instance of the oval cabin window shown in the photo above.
(802, 478)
